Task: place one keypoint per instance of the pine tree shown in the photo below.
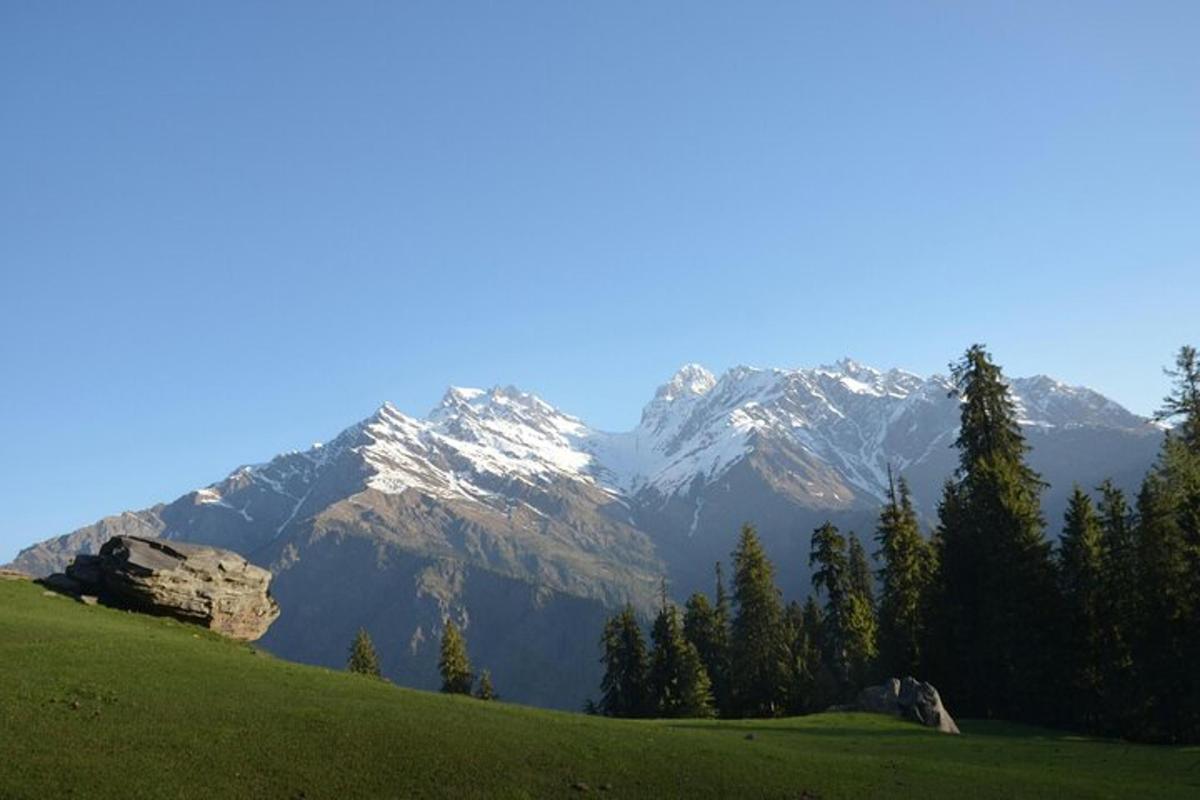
(861, 621)
(904, 578)
(948, 618)
(1167, 645)
(996, 571)
(858, 569)
(1184, 401)
(759, 654)
(664, 656)
(805, 659)
(1118, 609)
(485, 691)
(1081, 573)
(623, 689)
(454, 664)
(850, 624)
(362, 655)
(793, 625)
(819, 688)
(722, 607)
(700, 623)
(832, 576)
(1164, 610)
(679, 685)
(703, 628)
(723, 619)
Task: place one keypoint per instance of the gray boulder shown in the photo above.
(910, 699)
(882, 699)
(211, 587)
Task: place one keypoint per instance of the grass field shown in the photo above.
(98, 703)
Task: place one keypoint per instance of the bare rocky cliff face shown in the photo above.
(526, 526)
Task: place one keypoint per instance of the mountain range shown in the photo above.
(527, 526)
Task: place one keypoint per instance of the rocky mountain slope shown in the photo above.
(525, 525)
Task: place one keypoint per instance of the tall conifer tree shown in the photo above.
(623, 688)
(723, 620)
(996, 578)
(759, 651)
(678, 683)
(1118, 608)
(703, 628)
(454, 665)
(1167, 646)
(1183, 403)
(1081, 573)
(821, 688)
(948, 618)
(800, 667)
(859, 569)
(862, 623)
(904, 577)
(832, 576)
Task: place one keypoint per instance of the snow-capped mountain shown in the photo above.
(853, 418)
(698, 427)
(508, 514)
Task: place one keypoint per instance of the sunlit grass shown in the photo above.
(99, 703)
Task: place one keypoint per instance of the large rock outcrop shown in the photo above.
(911, 699)
(211, 587)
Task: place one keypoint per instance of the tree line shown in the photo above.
(453, 663)
(1099, 634)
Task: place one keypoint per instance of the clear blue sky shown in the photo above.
(229, 229)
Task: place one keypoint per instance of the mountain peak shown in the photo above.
(848, 366)
(512, 393)
(386, 411)
(461, 394)
(690, 379)
(470, 400)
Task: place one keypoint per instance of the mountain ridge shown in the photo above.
(474, 416)
(843, 425)
(504, 513)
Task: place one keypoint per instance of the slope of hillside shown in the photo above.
(105, 704)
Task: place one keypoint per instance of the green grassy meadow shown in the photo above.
(99, 703)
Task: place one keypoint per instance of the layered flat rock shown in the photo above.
(204, 585)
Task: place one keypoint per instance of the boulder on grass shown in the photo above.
(215, 588)
(911, 699)
(882, 699)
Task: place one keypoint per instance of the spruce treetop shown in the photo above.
(623, 689)
(363, 659)
(989, 432)
(1184, 399)
(486, 690)
(454, 665)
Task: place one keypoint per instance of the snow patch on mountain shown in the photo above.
(841, 414)
(854, 418)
